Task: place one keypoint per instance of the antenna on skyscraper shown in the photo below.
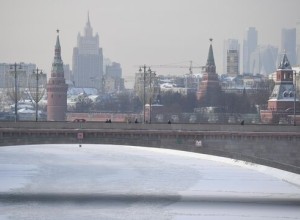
(88, 17)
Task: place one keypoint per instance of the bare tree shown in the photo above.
(37, 86)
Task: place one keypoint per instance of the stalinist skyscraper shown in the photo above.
(88, 60)
(57, 88)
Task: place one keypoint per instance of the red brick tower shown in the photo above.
(282, 100)
(209, 93)
(57, 88)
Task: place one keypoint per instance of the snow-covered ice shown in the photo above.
(125, 182)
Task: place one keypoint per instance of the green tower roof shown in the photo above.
(210, 58)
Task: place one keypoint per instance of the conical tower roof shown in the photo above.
(57, 55)
(285, 63)
(210, 64)
(57, 65)
(210, 58)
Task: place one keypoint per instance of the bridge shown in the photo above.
(274, 146)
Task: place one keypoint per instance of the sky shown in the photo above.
(138, 32)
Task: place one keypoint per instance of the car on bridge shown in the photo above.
(79, 120)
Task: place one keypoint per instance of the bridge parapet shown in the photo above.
(140, 126)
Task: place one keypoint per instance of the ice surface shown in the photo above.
(125, 182)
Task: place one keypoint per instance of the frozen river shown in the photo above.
(123, 182)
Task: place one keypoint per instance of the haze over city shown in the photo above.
(105, 137)
(136, 32)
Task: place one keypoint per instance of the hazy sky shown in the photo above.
(137, 32)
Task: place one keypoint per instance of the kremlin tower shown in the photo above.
(209, 93)
(57, 88)
(282, 100)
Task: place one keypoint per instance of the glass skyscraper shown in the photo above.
(249, 46)
(288, 44)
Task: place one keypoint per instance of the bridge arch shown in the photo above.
(274, 146)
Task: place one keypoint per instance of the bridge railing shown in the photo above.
(140, 126)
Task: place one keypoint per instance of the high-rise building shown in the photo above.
(88, 60)
(114, 70)
(57, 88)
(68, 73)
(249, 46)
(288, 44)
(231, 62)
(113, 80)
(263, 60)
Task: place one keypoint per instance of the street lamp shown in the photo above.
(143, 68)
(37, 73)
(14, 67)
(151, 94)
(103, 84)
(144, 76)
(295, 94)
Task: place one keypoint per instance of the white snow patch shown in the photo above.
(280, 174)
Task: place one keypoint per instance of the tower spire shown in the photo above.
(285, 63)
(210, 64)
(57, 54)
(210, 58)
(88, 21)
(88, 29)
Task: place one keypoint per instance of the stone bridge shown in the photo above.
(274, 146)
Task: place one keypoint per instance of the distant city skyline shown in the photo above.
(137, 32)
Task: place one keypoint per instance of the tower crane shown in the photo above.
(190, 67)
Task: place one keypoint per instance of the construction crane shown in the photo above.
(190, 80)
(190, 67)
